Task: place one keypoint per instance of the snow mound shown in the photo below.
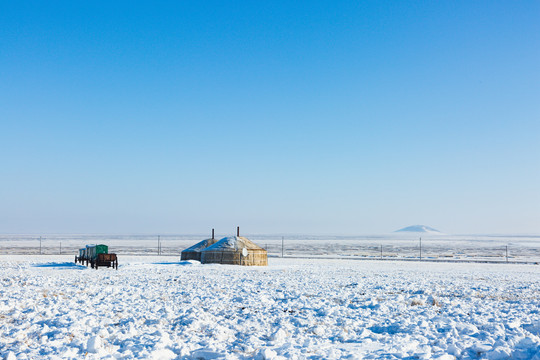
(94, 344)
(419, 229)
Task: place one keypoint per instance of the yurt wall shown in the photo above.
(235, 250)
(227, 257)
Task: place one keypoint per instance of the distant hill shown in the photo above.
(419, 229)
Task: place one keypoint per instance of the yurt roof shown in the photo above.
(201, 245)
(233, 243)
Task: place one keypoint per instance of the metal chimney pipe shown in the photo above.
(212, 234)
(238, 231)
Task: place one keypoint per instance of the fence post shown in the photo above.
(40, 245)
(420, 249)
(282, 245)
(381, 252)
(506, 253)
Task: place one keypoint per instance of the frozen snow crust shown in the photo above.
(158, 308)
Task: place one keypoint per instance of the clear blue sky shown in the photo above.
(306, 117)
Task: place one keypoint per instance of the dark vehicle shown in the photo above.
(97, 255)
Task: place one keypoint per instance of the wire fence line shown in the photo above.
(485, 249)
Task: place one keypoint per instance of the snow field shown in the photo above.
(160, 308)
(521, 248)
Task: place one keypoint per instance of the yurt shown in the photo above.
(194, 252)
(235, 250)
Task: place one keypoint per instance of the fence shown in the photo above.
(455, 248)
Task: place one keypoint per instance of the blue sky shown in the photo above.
(312, 117)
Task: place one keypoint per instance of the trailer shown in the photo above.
(96, 256)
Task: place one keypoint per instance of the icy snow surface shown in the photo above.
(160, 308)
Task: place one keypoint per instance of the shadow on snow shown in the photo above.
(61, 265)
(180, 263)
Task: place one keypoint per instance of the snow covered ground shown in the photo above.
(519, 248)
(159, 308)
